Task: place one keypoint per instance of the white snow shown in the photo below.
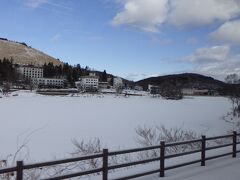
(219, 169)
(48, 124)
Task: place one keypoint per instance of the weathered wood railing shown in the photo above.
(20, 167)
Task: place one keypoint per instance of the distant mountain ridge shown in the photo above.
(185, 80)
(21, 53)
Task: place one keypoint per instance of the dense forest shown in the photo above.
(7, 70)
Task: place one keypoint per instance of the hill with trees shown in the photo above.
(185, 80)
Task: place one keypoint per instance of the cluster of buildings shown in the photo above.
(85, 83)
(92, 83)
(89, 83)
(199, 92)
(35, 75)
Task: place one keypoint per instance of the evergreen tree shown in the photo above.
(7, 70)
(104, 76)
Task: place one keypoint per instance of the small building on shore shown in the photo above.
(48, 82)
(199, 92)
(153, 88)
(138, 88)
(103, 85)
(88, 83)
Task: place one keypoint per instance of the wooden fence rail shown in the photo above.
(105, 154)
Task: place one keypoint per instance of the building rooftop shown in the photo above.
(95, 77)
(31, 66)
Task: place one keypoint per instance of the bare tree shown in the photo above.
(22, 153)
(232, 79)
(90, 147)
(95, 146)
(169, 91)
(10, 160)
(6, 88)
(150, 136)
(233, 115)
(119, 89)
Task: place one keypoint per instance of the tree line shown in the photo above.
(7, 70)
(70, 73)
(9, 73)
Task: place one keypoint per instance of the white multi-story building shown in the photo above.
(87, 82)
(30, 71)
(35, 74)
(48, 82)
(153, 89)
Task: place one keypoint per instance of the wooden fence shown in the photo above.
(105, 154)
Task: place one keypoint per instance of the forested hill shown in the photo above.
(185, 80)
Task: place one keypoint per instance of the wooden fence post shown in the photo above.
(19, 170)
(203, 151)
(162, 158)
(234, 144)
(105, 164)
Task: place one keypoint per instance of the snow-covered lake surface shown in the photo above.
(49, 124)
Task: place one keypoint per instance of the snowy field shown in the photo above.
(49, 123)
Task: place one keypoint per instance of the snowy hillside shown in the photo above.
(23, 54)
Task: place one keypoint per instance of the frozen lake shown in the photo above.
(49, 124)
